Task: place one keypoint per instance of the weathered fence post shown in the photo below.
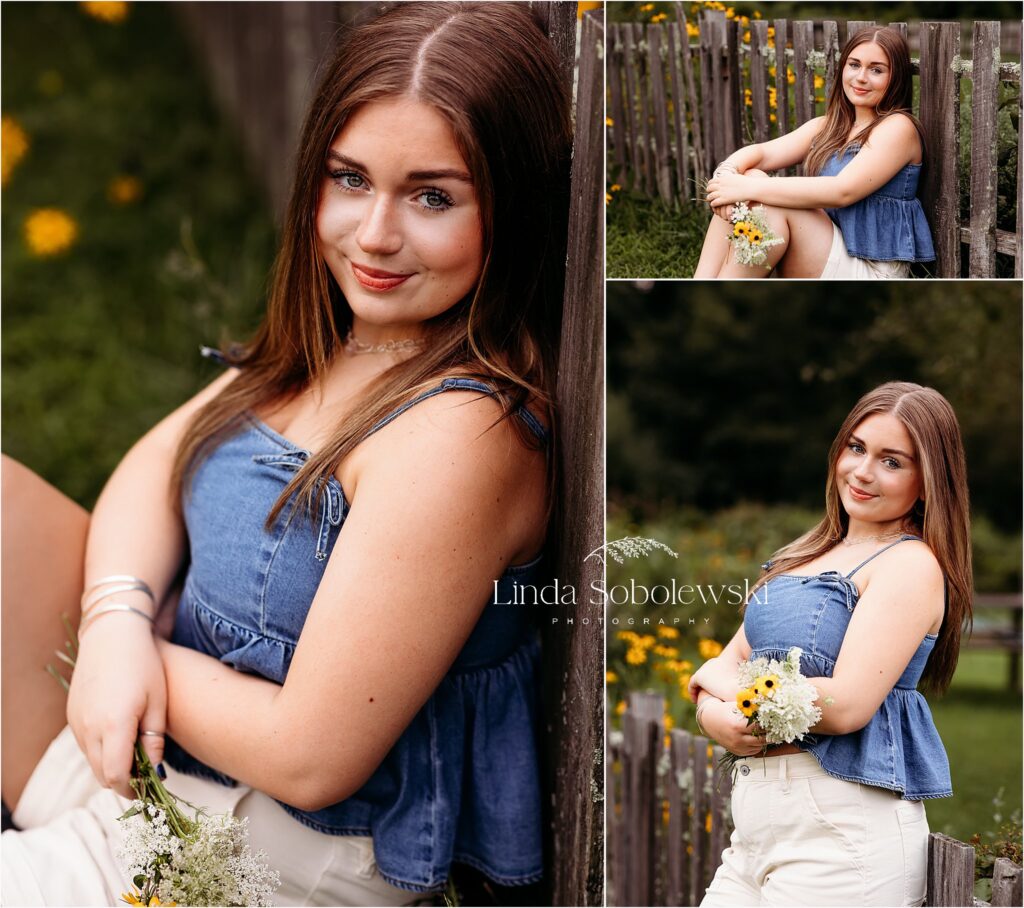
(1006, 883)
(634, 85)
(619, 125)
(759, 79)
(701, 162)
(682, 145)
(984, 141)
(663, 167)
(803, 87)
(830, 40)
(781, 80)
(940, 117)
(950, 871)
(1018, 265)
(641, 742)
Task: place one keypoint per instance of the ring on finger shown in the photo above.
(151, 734)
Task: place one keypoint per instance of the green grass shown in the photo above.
(646, 239)
(101, 341)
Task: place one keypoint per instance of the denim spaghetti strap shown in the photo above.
(884, 548)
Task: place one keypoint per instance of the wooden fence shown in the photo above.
(262, 59)
(678, 106)
(668, 821)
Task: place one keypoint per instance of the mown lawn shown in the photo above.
(646, 239)
(172, 241)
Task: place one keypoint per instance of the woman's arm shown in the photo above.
(717, 676)
(893, 144)
(784, 151)
(118, 684)
(902, 601)
(441, 506)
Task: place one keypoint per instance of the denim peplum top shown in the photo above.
(887, 226)
(899, 748)
(462, 781)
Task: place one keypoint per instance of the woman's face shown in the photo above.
(866, 75)
(399, 222)
(878, 476)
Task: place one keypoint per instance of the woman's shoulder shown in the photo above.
(897, 127)
(910, 558)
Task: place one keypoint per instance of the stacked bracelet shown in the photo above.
(697, 717)
(112, 586)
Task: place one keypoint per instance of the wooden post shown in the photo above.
(643, 84)
(574, 660)
(803, 88)
(830, 37)
(1006, 883)
(781, 82)
(984, 173)
(940, 117)
(712, 39)
(721, 813)
(662, 150)
(642, 747)
(619, 127)
(701, 166)
(682, 146)
(678, 777)
(733, 88)
(950, 871)
(853, 26)
(632, 106)
(1018, 265)
(759, 79)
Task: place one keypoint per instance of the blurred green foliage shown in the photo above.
(102, 341)
(904, 11)
(724, 393)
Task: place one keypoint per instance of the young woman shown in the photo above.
(348, 505)
(856, 214)
(876, 596)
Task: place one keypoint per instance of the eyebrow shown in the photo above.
(853, 59)
(414, 176)
(861, 442)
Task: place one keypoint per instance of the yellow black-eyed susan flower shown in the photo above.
(742, 228)
(124, 189)
(708, 648)
(746, 703)
(14, 145)
(766, 685)
(112, 11)
(611, 677)
(755, 237)
(669, 633)
(49, 231)
(636, 655)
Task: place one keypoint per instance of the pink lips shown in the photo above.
(859, 495)
(375, 279)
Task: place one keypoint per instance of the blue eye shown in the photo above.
(856, 448)
(348, 180)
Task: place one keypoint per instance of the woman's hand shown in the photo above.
(726, 725)
(728, 188)
(718, 678)
(117, 689)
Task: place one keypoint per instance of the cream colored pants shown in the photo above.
(805, 838)
(64, 854)
(841, 266)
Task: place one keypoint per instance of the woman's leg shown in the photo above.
(43, 554)
(715, 250)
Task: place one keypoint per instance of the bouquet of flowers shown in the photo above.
(176, 859)
(777, 698)
(751, 235)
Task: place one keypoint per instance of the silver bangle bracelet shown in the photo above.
(114, 590)
(119, 578)
(108, 610)
(699, 708)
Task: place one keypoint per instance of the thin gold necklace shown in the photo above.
(846, 541)
(353, 346)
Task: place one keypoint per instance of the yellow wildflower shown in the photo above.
(106, 10)
(135, 898)
(772, 118)
(746, 37)
(647, 640)
(608, 121)
(819, 81)
(628, 636)
(745, 702)
(707, 822)
(771, 31)
(730, 13)
(669, 633)
(668, 652)
(611, 677)
(692, 31)
(771, 71)
(585, 5)
(742, 228)
(790, 78)
(607, 198)
(744, 21)
(660, 17)
(664, 803)
(13, 145)
(766, 685)
(684, 683)
(620, 707)
(49, 231)
(616, 187)
(757, 14)
(647, 7)
(708, 649)
(636, 655)
(755, 237)
(124, 189)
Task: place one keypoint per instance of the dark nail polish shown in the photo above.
(160, 771)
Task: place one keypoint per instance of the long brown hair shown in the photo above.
(941, 519)
(840, 115)
(489, 69)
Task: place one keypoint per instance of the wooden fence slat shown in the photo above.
(698, 801)
(733, 88)
(682, 144)
(633, 113)
(803, 87)
(830, 42)
(1018, 265)
(643, 82)
(940, 118)
(617, 830)
(619, 123)
(701, 168)
(855, 25)
(781, 81)
(679, 745)
(759, 79)
(984, 142)
(662, 151)
(721, 789)
(901, 27)
(950, 871)
(641, 746)
(1006, 883)
(712, 40)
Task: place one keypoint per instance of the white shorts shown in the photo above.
(841, 266)
(805, 838)
(65, 851)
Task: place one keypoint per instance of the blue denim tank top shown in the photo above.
(899, 748)
(887, 226)
(462, 782)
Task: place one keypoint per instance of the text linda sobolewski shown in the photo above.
(631, 593)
